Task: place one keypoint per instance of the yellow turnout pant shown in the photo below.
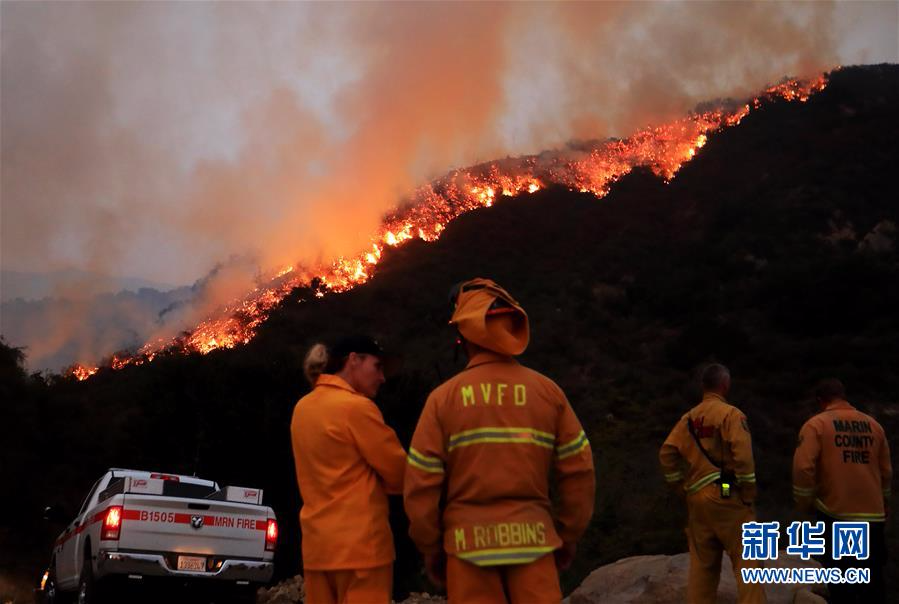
(715, 526)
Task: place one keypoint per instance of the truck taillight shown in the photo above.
(112, 524)
(271, 535)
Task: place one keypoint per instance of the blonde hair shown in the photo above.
(315, 362)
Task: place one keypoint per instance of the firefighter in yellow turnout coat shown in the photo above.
(719, 485)
(487, 440)
(842, 468)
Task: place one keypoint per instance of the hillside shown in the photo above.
(774, 251)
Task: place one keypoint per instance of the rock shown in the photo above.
(663, 580)
(289, 591)
(880, 239)
(649, 579)
(640, 579)
(788, 594)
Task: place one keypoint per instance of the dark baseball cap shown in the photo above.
(391, 363)
(360, 344)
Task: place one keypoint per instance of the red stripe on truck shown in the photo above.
(134, 515)
(208, 519)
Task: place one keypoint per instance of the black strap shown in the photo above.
(699, 444)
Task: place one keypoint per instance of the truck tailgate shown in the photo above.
(197, 526)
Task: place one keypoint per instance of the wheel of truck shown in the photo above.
(88, 589)
(52, 595)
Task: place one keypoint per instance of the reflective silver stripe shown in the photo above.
(674, 476)
(573, 442)
(875, 517)
(493, 557)
(745, 477)
(572, 447)
(425, 459)
(707, 479)
(501, 434)
(425, 462)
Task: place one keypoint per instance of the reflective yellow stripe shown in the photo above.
(425, 462)
(745, 477)
(414, 463)
(674, 476)
(850, 516)
(499, 439)
(540, 549)
(520, 435)
(425, 458)
(802, 491)
(582, 446)
(501, 429)
(573, 442)
(707, 479)
(512, 555)
(572, 447)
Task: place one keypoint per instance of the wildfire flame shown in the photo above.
(663, 149)
(81, 372)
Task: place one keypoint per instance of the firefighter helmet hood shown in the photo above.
(485, 314)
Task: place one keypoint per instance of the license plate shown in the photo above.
(191, 563)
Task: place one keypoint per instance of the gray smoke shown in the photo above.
(155, 139)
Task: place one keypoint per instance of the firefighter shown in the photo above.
(707, 458)
(842, 469)
(347, 462)
(477, 480)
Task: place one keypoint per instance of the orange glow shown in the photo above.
(663, 149)
(81, 373)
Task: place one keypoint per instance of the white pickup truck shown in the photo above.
(165, 529)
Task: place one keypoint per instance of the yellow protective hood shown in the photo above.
(486, 315)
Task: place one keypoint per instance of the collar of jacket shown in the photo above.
(334, 381)
(708, 397)
(488, 356)
(838, 404)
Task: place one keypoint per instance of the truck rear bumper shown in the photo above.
(156, 565)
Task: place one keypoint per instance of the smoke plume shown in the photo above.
(155, 139)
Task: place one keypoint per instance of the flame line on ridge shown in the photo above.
(663, 149)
